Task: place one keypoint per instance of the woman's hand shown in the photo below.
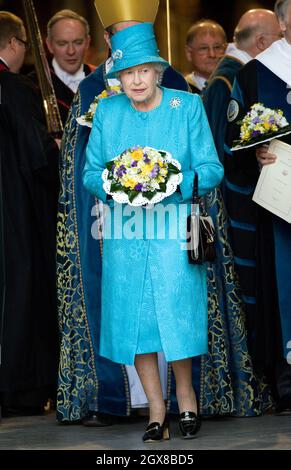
(264, 157)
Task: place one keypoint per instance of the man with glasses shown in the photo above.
(13, 43)
(28, 204)
(205, 45)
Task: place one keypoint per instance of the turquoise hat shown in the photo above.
(134, 46)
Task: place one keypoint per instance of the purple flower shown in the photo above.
(138, 187)
(134, 164)
(155, 171)
(146, 159)
(272, 120)
(256, 120)
(255, 133)
(145, 188)
(121, 171)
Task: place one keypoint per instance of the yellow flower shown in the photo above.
(137, 154)
(129, 183)
(145, 170)
(267, 125)
(246, 136)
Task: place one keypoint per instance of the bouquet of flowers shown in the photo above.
(261, 125)
(141, 175)
(87, 118)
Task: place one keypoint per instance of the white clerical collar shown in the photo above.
(239, 54)
(277, 58)
(199, 81)
(71, 80)
(108, 67)
(4, 61)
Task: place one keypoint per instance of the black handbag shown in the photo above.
(200, 230)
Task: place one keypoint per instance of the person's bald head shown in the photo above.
(257, 29)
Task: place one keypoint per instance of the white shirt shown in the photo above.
(238, 54)
(200, 81)
(71, 80)
(277, 58)
(108, 67)
(4, 62)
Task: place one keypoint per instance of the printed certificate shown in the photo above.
(273, 190)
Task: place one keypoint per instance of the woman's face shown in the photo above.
(140, 84)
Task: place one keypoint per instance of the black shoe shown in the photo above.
(189, 424)
(156, 432)
(95, 419)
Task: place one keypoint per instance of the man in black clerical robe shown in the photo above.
(67, 40)
(29, 187)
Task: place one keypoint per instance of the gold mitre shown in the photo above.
(116, 11)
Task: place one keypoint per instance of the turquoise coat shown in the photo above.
(152, 299)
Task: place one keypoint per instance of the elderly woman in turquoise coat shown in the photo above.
(153, 300)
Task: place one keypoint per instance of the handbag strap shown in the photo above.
(195, 197)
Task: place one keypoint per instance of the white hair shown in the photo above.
(280, 9)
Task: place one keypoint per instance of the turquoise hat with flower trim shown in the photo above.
(133, 46)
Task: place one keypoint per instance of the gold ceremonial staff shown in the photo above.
(52, 114)
(169, 31)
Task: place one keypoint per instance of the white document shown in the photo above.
(273, 190)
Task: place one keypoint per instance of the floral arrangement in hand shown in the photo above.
(141, 175)
(260, 125)
(87, 118)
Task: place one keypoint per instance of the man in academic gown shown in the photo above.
(255, 31)
(29, 186)
(88, 382)
(261, 240)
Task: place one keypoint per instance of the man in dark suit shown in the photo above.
(28, 187)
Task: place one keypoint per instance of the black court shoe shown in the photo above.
(189, 424)
(156, 432)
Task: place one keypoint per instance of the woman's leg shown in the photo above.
(184, 390)
(148, 372)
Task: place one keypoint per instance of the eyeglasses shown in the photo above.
(205, 50)
(25, 43)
